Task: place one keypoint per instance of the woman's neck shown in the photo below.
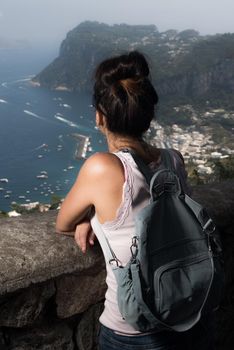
(144, 150)
(118, 142)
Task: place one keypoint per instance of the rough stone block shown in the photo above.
(88, 328)
(32, 252)
(76, 293)
(22, 308)
(53, 337)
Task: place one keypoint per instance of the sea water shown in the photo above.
(36, 125)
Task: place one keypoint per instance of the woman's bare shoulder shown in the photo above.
(101, 175)
(102, 163)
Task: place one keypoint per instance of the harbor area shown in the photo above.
(83, 145)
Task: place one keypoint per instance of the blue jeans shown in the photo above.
(199, 338)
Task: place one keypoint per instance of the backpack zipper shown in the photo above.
(177, 243)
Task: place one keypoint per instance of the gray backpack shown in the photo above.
(175, 273)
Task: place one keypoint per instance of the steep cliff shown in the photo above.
(207, 70)
(83, 48)
(183, 64)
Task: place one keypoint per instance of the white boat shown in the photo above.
(3, 101)
(66, 105)
(42, 176)
(4, 180)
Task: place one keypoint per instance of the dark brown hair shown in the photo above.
(124, 93)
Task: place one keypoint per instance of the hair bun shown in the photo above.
(130, 66)
(124, 94)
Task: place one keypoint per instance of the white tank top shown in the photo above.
(120, 231)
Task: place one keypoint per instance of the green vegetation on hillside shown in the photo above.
(223, 169)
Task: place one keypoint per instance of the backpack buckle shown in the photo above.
(134, 246)
(209, 227)
(115, 262)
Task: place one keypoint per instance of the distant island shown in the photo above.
(193, 74)
(185, 66)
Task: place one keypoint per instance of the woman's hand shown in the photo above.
(84, 235)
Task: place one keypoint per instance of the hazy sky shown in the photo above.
(49, 20)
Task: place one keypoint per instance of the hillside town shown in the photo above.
(196, 143)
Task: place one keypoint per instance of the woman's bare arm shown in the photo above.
(78, 202)
(84, 235)
(100, 178)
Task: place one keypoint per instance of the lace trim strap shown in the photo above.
(127, 195)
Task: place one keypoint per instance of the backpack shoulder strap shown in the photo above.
(143, 167)
(106, 247)
(166, 161)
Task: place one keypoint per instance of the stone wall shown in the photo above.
(51, 295)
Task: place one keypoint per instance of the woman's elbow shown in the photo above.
(61, 226)
(58, 230)
(64, 230)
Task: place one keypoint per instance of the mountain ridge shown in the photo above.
(184, 65)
